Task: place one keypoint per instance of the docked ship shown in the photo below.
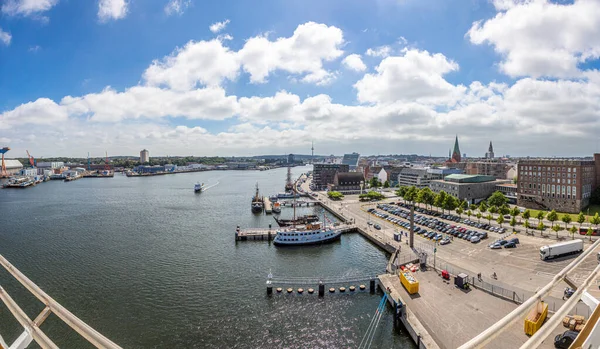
(198, 187)
(302, 220)
(289, 185)
(276, 207)
(309, 234)
(257, 202)
(19, 182)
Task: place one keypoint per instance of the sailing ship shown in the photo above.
(306, 219)
(257, 202)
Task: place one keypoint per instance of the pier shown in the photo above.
(268, 205)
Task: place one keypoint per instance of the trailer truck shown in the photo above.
(561, 249)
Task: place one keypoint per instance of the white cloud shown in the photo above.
(112, 9)
(302, 53)
(381, 51)
(354, 62)
(177, 7)
(27, 7)
(203, 62)
(542, 39)
(415, 76)
(5, 37)
(43, 111)
(35, 48)
(217, 27)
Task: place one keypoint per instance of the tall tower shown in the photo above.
(312, 151)
(456, 152)
(490, 153)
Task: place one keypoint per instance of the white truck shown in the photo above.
(561, 249)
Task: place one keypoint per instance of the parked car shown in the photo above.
(495, 246)
(445, 241)
(475, 239)
(564, 341)
(510, 245)
(377, 226)
(515, 240)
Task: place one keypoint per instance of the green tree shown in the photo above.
(401, 191)
(541, 226)
(527, 226)
(590, 232)
(473, 207)
(552, 217)
(426, 196)
(513, 222)
(493, 209)
(386, 184)
(335, 195)
(497, 199)
(411, 194)
(573, 230)
(450, 202)
(459, 211)
(489, 218)
(478, 215)
(540, 216)
(500, 220)
(580, 219)
(374, 182)
(439, 200)
(504, 209)
(464, 205)
(372, 195)
(595, 220)
(566, 218)
(515, 212)
(469, 214)
(483, 207)
(556, 229)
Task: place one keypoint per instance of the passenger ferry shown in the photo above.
(310, 234)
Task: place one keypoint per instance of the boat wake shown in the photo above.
(211, 186)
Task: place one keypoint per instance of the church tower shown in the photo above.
(456, 152)
(490, 153)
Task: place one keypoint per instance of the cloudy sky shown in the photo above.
(191, 77)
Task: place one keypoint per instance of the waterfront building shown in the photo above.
(149, 169)
(323, 174)
(351, 160)
(13, 166)
(473, 188)
(144, 156)
(347, 182)
(50, 165)
(29, 172)
(564, 185)
(290, 159)
(422, 177)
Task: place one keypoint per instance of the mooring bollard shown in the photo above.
(372, 286)
(321, 289)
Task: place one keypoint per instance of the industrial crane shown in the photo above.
(31, 159)
(3, 172)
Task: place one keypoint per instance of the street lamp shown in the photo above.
(362, 184)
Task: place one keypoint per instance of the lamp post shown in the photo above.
(362, 184)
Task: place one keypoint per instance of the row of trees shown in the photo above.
(376, 183)
(372, 195)
(335, 195)
(495, 204)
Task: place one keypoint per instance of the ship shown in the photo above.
(198, 187)
(257, 202)
(276, 207)
(19, 182)
(309, 234)
(302, 220)
(289, 185)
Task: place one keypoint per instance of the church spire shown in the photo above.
(456, 153)
(491, 149)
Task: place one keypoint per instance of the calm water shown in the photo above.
(150, 264)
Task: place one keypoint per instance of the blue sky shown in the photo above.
(443, 74)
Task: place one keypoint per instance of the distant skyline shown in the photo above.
(267, 77)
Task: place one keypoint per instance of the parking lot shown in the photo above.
(518, 268)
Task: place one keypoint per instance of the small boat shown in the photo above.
(198, 187)
(306, 219)
(257, 202)
(310, 234)
(276, 207)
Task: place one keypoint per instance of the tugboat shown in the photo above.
(198, 187)
(257, 202)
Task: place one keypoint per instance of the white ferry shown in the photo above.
(313, 233)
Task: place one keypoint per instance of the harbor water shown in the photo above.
(151, 264)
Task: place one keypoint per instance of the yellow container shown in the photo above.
(409, 282)
(536, 318)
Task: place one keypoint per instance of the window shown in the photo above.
(569, 169)
(574, 192)
(553, 187)
(574, 170)
(574, 181)
(574, 175)
(568, 181)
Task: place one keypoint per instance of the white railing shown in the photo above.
(32, 330)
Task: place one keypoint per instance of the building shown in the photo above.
(29, 172)
(422, 177)
(149, 169)
(394, 172)
(50, 165)
(490, 152)
(347, 182)
(473, 188)
(564, 185)
(351, 160)
(496, 169)
(323, 174)
(144, 156)
(290, 159)
(383, 175)
(509, 190)
(13, 166)
(455, 156)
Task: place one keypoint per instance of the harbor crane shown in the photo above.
(3, 172)
(31, 159)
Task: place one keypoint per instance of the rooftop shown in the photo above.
(463, 178)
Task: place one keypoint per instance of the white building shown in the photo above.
(383, 175)
(13, 166)
(50, 165)
(29, 172)
(144, 156)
